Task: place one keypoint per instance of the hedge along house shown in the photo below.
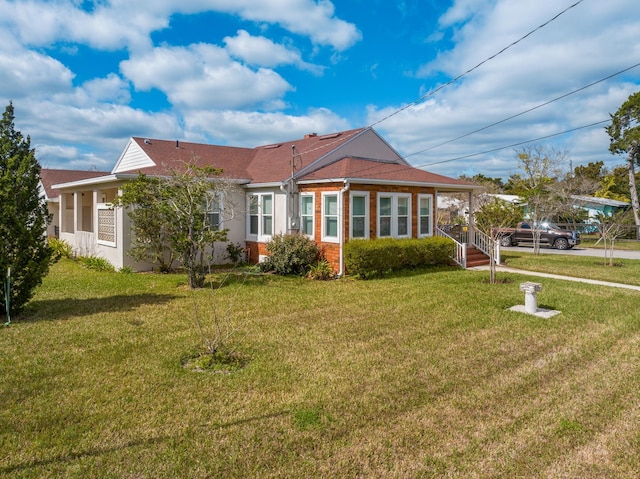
(332, 188)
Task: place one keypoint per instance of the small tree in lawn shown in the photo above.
(493, 215)
(23, 217)
(152, 223)
(624, 133)
(541, 167)
(176, 221)
(611, 228)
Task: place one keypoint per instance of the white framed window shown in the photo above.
(307, 214)
(260, 217)
(106, 225)
(425, 208)
(394, 215)
(214, 213)
(359, 209)
(330, 223)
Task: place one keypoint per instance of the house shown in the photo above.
(332, 188)
(50, 177)
(596, 206)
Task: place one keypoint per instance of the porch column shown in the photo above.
(77, 211)
(472, 223)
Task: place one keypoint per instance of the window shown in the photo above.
(394, 215)
(425, 203)
(307, 208)
(260, 215)
(329, 217)
(359, 224)
(106, 226)
(214, 213)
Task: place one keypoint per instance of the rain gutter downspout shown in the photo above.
(347, 185)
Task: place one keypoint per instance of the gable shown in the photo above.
(364, 143)
(132, 158)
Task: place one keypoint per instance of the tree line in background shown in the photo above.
(549, 185)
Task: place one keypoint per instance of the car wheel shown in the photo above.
(561, 243)
(505, 241)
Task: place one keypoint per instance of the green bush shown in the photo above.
(95, 263)
(371, 258)
(61, 249)
(290, 254)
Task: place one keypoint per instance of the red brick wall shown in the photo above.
(331, 251)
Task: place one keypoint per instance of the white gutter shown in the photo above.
(347, 185)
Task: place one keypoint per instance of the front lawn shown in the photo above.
(418, 375)
(625, 271)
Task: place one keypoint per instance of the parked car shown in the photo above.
(550, 235)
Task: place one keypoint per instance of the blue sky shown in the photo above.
(85, 76)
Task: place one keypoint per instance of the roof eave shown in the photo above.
(367, 181)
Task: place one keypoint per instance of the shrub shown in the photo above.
(371, 258)
(61, 249)
(95, 263)
(321, 271)
(290, 254)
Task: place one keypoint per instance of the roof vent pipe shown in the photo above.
(177, 144)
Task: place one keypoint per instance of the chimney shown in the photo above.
(310, 135)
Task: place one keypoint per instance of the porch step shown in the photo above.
(475, 257)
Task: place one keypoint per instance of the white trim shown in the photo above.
(419, 217)
(367, 181)
(325, 238)
(367, 216)
(313, 214)
(260, 237)
(106, 207)
(393, 217)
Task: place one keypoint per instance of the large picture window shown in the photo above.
(359, 223)
(330, 224)
(394, 215)
(260, 217)
(425, 206)
(307, 214)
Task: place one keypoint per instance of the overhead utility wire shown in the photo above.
(432, 92)
(515, 144)
(523, 112)
(415, 102)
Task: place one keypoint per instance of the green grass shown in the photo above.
(623, 244)
(418, 375)
(626, 271)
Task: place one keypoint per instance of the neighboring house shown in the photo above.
(596, 206)
(332, 188)
(50, 177)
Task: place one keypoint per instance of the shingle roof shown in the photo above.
(361, 168)
(262, 164)
(50, 177)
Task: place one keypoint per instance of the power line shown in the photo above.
(432, 92)
(515, 144)
(523, 112)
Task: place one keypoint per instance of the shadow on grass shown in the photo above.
(96, 452)
(57, 309)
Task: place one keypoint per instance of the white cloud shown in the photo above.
(123, 23)
(263, 52)
(253, 129)
(203, 76)
(586, 44)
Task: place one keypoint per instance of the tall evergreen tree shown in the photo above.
(23, 216)
(624, 133)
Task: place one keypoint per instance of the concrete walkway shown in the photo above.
(508, 269)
